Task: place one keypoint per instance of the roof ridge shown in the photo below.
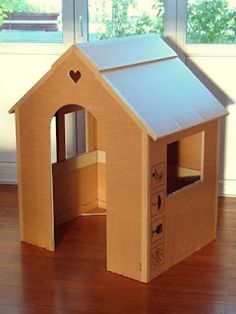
(137, 63)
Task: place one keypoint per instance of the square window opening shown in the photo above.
(185, 162)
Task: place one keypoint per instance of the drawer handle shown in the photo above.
(159, 229)
(157, 175)
(159, 202)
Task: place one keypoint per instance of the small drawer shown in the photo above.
(158, 175)
(158, 203)
(157, 229)
(157, 255)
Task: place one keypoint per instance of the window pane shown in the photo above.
(31, 21)
(211, 21)
(117, 18)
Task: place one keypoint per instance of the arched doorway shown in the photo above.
(78, 166)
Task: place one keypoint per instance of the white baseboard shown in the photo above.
(227, 188)
(8, 173)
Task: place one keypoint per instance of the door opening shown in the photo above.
(78, 175)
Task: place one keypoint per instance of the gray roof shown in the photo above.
(159, 92)
(153, 83)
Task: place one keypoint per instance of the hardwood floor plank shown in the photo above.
(73, 279)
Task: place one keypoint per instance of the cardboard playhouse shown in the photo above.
(151, 159)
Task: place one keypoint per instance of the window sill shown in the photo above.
(33, 48)
(204, 50)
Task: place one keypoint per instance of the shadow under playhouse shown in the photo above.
(152, 157)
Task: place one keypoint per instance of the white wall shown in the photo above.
(218, 73)
(18, 74)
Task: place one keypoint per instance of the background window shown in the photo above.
(211, 22)
(117, 18)
(31, 21)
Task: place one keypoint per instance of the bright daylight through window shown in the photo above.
(31, 21)
(208, 21)
(116, 18)
(211, 22)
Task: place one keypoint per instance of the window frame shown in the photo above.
(47, 48)
(197, 50)
(170, 22)
(75, 30)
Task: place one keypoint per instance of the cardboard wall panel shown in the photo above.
(189, 214)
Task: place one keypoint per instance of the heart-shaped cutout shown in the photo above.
(75, 76)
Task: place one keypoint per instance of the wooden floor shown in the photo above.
(74, 279)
